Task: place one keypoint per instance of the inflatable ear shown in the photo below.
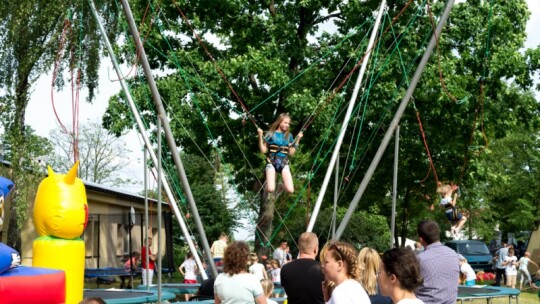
(9, 258)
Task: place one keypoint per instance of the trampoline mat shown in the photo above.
(469, 291)
(116, 294)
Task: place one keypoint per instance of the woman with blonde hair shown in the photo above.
(368, 262)
(340, 267)
(278, 144)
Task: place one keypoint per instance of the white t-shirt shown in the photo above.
(270, 301)
(189, 269)
(410, 301)
(510, 269)
(468, 271)
(258, 270)
(523, 263)
(349, 292)
(276, 275)
(241, 288)
(280, 255)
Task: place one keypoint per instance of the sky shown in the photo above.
(41, 118)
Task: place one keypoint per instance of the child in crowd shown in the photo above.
(268, 289)
(276, 271)
(510, 262)
(129, 266)
(456, 219)
(467, 273)
(189, 270)
(524, 271)
(257, 268)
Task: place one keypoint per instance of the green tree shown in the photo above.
(102, 155)
(279, 58)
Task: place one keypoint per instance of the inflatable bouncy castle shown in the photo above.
(20, 284)
(60, 217)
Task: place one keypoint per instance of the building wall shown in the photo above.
(106, 236)
(534, 248)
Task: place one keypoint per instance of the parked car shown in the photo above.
(476, 252)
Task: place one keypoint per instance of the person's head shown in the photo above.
(462, 260)
(527, 254)
(283, 244)
(149, 240)
(253, 258)
(93, 300)
(368, 263)
(399, 269)
(428, 232)
(268, 264)
(444, 189)
(223, 236)
(235, 257)
(136, 255)
(281, 124)
(308, 244)
(511, 252)
(268, 287)
(417, 245)
(189, 255)
(340, 262)
(274, 264)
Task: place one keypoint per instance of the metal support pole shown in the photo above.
(158, 134)
(148, 147)
(395, 120)
(168, 133)
(394, 194)
(145, 240)
(335, 154)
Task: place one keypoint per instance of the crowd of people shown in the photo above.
(342, 274)
(339, 273)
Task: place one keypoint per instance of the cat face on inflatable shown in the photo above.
(60, 208)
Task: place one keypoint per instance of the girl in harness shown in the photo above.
(278, 144)
(456, 219)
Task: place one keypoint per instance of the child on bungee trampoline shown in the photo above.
(278, 144)
(456, 219)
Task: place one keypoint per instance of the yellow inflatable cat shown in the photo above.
(60, 217)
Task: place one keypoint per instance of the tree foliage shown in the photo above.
(33, 35)
(297, 56)
(102, 156)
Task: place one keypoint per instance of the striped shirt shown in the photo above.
(439, 266)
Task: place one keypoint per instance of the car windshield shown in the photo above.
(473, 248)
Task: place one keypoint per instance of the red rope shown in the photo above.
(431, 164)
(358, 64)
(244, 107)
(67, 26)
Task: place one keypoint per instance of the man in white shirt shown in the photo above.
(280, 254)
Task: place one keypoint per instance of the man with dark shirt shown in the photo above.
(301, 279)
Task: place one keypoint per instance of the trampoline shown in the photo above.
(486, 292)
(176, 288)
(121, 296)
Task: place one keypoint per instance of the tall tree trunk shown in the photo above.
(264, 225)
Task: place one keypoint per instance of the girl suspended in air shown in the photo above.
(456, 219)
(278, 144)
